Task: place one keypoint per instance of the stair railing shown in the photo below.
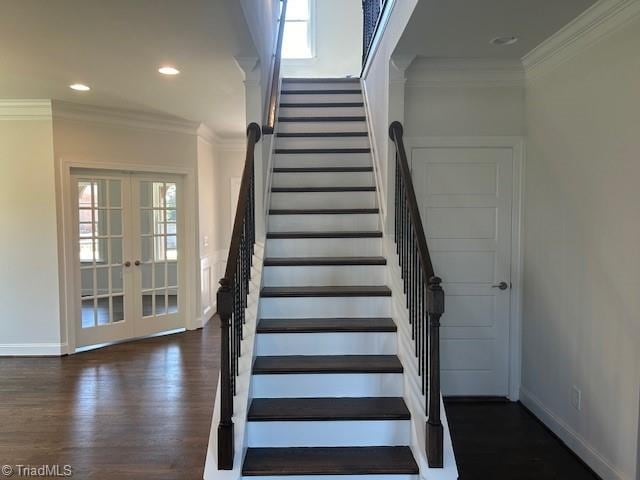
(232, 299)
(274, 88)
(424, 295)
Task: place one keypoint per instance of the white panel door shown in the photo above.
(465, 197)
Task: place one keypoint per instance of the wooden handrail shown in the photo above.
(271, 108)
(232, 298)
(396, 133)
(424, 294)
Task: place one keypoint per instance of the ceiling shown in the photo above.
(116, 47)
(463, 28)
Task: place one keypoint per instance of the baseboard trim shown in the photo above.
(575, 442)
(33, 349)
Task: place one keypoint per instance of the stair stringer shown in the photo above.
(243, 396)
(415, 400)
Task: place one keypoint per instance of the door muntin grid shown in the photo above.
(158, 205)
(101, 251)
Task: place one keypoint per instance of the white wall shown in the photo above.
(376, 85)
(582, 256)
(208, 210)
(29, 288)
(109, 139)
(262, 20)
(464, 98)
(338, 42)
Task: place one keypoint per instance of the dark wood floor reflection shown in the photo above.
(503, 441)
(139, 410)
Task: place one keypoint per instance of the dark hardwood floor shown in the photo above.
(142, 410)
(135, 411)
(503, 441)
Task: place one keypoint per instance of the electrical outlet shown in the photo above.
(576, 398)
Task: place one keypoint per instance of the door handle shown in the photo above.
(127, 263)
(501, 285)
(137, 263)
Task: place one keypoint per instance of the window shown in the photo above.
(298, 30)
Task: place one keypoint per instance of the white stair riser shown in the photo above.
(324, 307)
(284, 200)
(322, 160)
(331, 343)
(329, 275)
(321, 86)
(321, 97)
(324, 247)
(323, 179)
(329, 434)
(321, 111)
(327, 385)
(324, 223)
(321, 127)
(335, 477)
(323, 142)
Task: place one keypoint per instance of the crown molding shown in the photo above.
(473, 72)
(25, 109)
(123, 118)
(236, 142)
(601, 19)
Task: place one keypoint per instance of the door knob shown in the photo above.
(137, 263)
(501, 285)
(127, 263)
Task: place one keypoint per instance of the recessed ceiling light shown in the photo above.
(169, 70)
(503, 41)
(80, 87)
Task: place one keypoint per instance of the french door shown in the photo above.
(128, 256)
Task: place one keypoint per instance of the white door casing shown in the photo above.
(465, 196)
(126, 252)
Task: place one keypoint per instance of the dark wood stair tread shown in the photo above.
(325, 325)
(321, 80)
(309, 151)
(302, 235)
(323, 211)
(341, 118)
(321, 189)
(321, 134)
(328, 409)
(299, 364)
(322, 105)
(322, 169)
(322, 261)
(350, 91)
(333, 291)
(329, 461)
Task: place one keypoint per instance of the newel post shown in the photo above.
(434, 440)
(225, 427)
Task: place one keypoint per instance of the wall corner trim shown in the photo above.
(603, 18)
(570, 437)
(25, 109)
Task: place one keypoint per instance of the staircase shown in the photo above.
(326, 383)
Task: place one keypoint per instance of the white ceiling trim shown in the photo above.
(430, 72)
(25, 109)
(601, 19)
(223, 143)
(123, 118)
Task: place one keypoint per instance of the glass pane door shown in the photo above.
(159, 255)
(101, 250)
